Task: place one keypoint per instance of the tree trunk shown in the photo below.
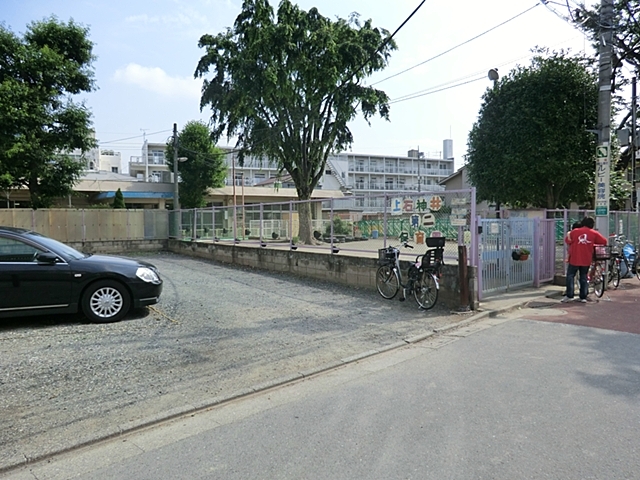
(306, 227)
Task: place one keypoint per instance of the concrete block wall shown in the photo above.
(347, 270)
(117, 247)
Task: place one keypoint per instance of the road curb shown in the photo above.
(191, 409)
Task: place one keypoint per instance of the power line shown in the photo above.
(383, 44)
(483, 77)
(456, 46)
(131, 138)
(426, 91)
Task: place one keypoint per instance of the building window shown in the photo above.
(114, 169)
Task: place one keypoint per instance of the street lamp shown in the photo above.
(176, 194)
(494, 76)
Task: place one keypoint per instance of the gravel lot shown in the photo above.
(218, 330)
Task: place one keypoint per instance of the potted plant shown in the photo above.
(520, 253)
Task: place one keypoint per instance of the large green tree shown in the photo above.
(40, 123)
(531, 144)
(626, 49)
(204, 167)
(287, 85)
(626, 32)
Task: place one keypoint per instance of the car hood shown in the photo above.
(105, 260)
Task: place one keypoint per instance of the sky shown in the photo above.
(147, 52)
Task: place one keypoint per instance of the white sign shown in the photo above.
(396, 206)
(459, 201)
(458, 211)
(602, 180)
(428, 220)
(458, 222)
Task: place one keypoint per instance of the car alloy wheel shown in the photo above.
(106, 301)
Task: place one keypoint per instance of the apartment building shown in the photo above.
(151, 165)
(96, 160)
(368, 177)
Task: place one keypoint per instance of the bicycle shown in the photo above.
(595, 282)
(622, 252)
(423, 274)
(598, 269)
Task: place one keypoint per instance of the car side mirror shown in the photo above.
(46, 258)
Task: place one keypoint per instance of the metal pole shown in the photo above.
(233, 174)
(176, 197)
(244, 229)
(603, 152)
(634, 146)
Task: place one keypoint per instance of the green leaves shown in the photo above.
(118, 200)
(204, 167)
(39, 121)
(287, 84)
(530, 145)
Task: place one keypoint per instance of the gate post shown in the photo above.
(479, 258)
(535, 252)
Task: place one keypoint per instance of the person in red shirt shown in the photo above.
(582, 242)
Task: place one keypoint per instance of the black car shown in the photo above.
(39, 275)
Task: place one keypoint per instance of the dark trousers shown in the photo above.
(571, 275)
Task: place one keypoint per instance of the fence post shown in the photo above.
(565, 217)
(194, 233)
(84, 228)
(213, 223)
(463, 276)
(291, 218)
(331, 224)
(479, 258)
(535, 252)
(261, 220)
(384, 221)
(235, 221)
(473, 220)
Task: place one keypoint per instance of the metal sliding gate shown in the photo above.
(502, 267)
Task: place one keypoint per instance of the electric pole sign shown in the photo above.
(602, 180)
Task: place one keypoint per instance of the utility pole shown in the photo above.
(634, 145)
(176, 199)
(603, 150)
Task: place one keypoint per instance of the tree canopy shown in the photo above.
(204, 167)
(626, 32)
(39, 122)
(287, 85)
(626, 47)
(530, 144)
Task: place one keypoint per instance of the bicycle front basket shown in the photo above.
(387, 255)
(602, 252)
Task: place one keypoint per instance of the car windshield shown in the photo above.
(59, 247)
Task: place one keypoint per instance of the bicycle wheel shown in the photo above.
(597, 277)
(387, 282)
(425, 290)
(636, 268)
(615, 273)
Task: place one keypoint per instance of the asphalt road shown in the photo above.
(217, 332)
(506, 398)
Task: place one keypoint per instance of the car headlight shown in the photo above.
(147, 275)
